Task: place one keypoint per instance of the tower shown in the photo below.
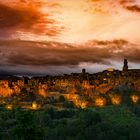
(125, 66)
(26, 80)
(83, 71)
(84, 75)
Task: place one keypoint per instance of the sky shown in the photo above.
(64, 36)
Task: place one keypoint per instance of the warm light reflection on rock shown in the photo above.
(134, 98)
(116, 99)
(42, 90)
(34, 105)
(16, 89)
(4, 89)
(85, 84)
(77, 100)
(99, 101)
(9, 106)
(84, 104)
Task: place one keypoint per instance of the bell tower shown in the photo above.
(125, 66)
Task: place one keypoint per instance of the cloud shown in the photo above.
(62, 54)
(55, 56)
(130, 5)
(118, 49)
(134, 8)
(26, 19)
(11, 17)
(38, 57)
(108, 42)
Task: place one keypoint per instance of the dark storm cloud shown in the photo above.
(133, 55)
(61, 54)
(118, 49)
(56, 56)
(56, 59)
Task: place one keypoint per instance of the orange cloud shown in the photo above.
(134, 8)
(26, 18)
(119, 42)
(130, 5)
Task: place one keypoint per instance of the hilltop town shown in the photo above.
(110, 87)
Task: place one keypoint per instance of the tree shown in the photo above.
(61, 99)
(26, 128)
(90, 117)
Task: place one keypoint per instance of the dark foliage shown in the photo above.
(109, 123)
